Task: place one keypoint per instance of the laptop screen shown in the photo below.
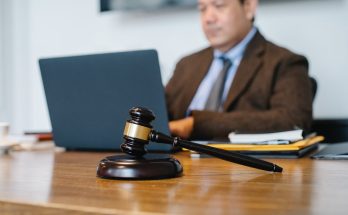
(89, 97)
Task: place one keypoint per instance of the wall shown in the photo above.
(46, 28)
(319, 30)
(16, 59)
(2, 99)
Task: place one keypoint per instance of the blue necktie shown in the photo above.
(214, 101)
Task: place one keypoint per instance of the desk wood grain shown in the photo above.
(66, 182)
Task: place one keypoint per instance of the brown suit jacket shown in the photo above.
(271, 91)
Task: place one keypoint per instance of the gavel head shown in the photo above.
(137, 130)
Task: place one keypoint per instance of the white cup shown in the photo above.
(4, 130)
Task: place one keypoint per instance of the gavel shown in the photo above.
(139, 132)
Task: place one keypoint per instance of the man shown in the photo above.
(264, 87)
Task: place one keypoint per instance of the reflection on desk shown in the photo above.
(66, 182)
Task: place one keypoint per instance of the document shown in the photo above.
(293, 150)
(284, 137)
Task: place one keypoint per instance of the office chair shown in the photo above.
(334, 130)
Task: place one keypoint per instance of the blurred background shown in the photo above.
(33, 29)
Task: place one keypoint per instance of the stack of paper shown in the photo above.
(283, 137)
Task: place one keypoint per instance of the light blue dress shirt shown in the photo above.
(235, 55)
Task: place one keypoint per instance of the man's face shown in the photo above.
(225, 22)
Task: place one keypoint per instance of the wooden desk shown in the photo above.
(58, 183)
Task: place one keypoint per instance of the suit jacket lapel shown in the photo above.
(200, 70)
(247, 68)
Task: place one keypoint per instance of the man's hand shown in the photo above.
(182, 127)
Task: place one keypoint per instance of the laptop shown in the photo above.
(89, 97)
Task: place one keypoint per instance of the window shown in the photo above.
(107, 5)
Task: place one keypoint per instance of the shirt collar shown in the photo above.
(238, 50)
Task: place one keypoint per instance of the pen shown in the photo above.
(273, 142)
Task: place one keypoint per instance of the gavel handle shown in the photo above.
(219, 153)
